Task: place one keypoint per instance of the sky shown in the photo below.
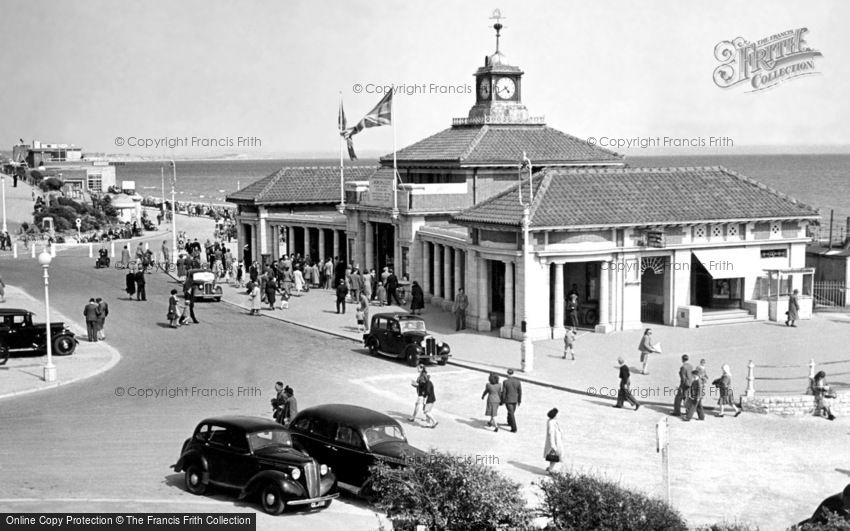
(86, 72)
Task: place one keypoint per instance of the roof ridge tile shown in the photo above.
(475, 141)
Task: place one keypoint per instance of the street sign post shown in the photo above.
(662, 441)
(79, 224)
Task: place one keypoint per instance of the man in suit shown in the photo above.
(103, 310)
(392, 286)
(684, 384)
(695, 395)
(625, 392)
(512, 398)
(459, 309)
(91, 313)
(140, 285)
(190, 300)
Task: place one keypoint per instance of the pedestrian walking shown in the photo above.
(103, 311)
(392, 286)
(125, 256)
(190, 302)
(141, 295)
(625, 391)
(512, 398)
(368, 279)
(493, 394)
(419, 385)
(793, 312)
(695, 396)
(380, 294)
(166, 253)
(727, 397)
(172, 309)
(277, 402)
(703, 372)
(2, 290)
(341, 293)
(459, 307)
(130, 283)
(684, 385)
(299, 280)
(290, 407)
(92, 315)
(553, 449)
(430, 399)
(569, 344)
(364, 307)
(417, 298)
(256, 299)
(354, 282)
(271, 289)
(647, 347)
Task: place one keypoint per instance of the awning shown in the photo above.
(730, 263)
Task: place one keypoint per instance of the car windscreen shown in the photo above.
(260, 440)
(412, 325)
(381, 434)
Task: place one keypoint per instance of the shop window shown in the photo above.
(95, 182)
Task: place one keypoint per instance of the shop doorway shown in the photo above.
(581, 279)
(653, 277)
(714, 293)
(497, 294)
(385, 246)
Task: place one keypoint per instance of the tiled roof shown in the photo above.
(637, 196)
(503, 144)
(318, 184)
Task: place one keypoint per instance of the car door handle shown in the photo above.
(329, 447)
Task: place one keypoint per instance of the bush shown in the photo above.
(580, 502)
(445, 491)
(835, 522)
(728, 526)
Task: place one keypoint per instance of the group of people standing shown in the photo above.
(134, 283)
(95, 313)
(179, 312)
(284, 404)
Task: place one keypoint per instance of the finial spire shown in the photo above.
(497, 16)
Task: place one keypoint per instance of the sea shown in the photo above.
(821, 181)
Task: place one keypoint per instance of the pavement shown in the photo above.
(23, 372)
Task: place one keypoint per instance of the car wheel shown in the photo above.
(4, 354)
(271, 498)
(64, 346)
(195, 480)
(373, 348)
(443, 361)
(410, 356)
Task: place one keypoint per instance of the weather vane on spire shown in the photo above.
(497, 16)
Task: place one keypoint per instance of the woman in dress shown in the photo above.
(130, 283)
(417, 298)
(493, 394)
(173, 314)
(299, 280)
(646, 348)
(256, 299)
(553, 450)
(823, 403)
(727, 397)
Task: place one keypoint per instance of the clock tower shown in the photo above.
(498, 89)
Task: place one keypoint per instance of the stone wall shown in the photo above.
(793, 405)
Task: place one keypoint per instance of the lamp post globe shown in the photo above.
(44, 258)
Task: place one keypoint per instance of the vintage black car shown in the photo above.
(404, 336)
(257, 457)
(351, 439)
(203, 284)
(18, 332)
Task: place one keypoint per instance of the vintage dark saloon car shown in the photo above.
(351, 439)
(257, 457)
(18, 332)
(404, 336)
(203, 284)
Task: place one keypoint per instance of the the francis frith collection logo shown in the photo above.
(765, 63)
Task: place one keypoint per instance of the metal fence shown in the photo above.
(779, 380)
(829, 295)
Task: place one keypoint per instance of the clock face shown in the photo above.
(484, 89)
(505, 88)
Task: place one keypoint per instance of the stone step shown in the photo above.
(728, 320)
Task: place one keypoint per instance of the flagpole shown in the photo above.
(395, 163)
(341, 163)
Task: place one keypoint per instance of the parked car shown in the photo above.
(203, 283)
(351, 439)
(257, 457)
(404, 336)
(18, 332)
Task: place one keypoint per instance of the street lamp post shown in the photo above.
(49, 370)
(3, 180)
(173, 215)
(526, 347)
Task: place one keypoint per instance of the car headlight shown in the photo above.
(323, 469)
(296, 473)
(440, 344)
(422, 344)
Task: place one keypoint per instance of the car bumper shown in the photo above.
(310, 501)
